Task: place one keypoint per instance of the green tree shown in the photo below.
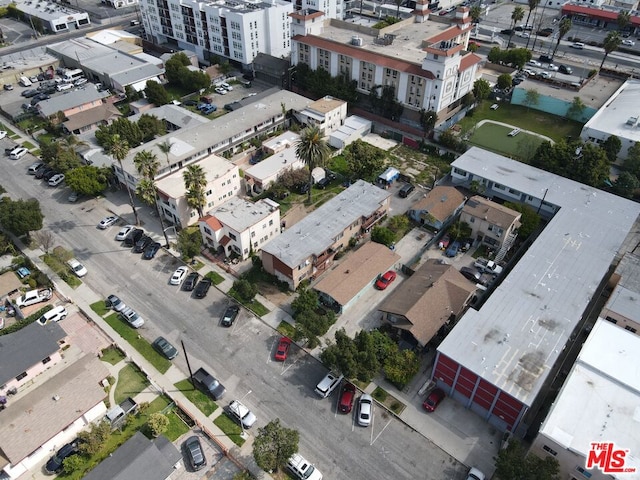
(401, 367)
(197, 80)
(611, 146)
(513, 463)
(94, 439)
(273, 445)
(156, 93)
(189, 243)
(165, 147)
(428, 119)
(245, 289)
(65, 160)
(505, 81)
(195, 181)
(632, 162)
(576, 109)
(306, 301)
(626, 184)
(481, 89)
(147, 165)
(342, 356)
(383, 235)
(175, 67)
(151, 127)
(475, 13)
(364, 160)
(611, 43)
(531, 98)
(72, 464)
(563, 29)
(529, 219)
(398, 224)
(119, 149)
(88, 180)
(157, 423)
(128, 131)
(313, 150)
(624, 20)
(20, 216)
(516, 16)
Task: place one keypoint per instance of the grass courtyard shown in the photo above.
(491, 136)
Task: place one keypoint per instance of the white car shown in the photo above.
(220, 90)
(553, 67)
(241, 414)
(534, 63)
(628, 43)
(226, 86)
(365, 410)
(475, 474)
(3, 133)
(132, 317)
(77, 267)
(302, 468)
(56, 180)
(124, 231)
(106, 222)
(178, 275)
(115, 303)
(577, 45)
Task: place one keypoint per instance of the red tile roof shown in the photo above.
(596, 13)
(212, 221)
(469, 60)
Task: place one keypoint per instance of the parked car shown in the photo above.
(283, 349)
(8, 86)
(328, 384)
(124, 231)
(226, 86)
(553, 68)
(365, 410)
(77, 267)
(151, 250)
(347, 397)
(534, 63)
(55, 463)
(47, 176)
(54, 315)
(385, 280)
(115, 303)
(545, 58)
(220, 91)
(33, 168)
(565, 69)
(323, 183)
(475, 474)
(73, 197)
(191, 281)
(229, 316)
(163, 346)
(195, 454)
(142, 244)
(56, 180)
(132, 317)
(209, 109)
(628, 43)
(303, 188)
(302, 469)
(178, 276)
(42, 172)
(241, 414)
(190, 103)
(406, 189)
(202, 288)
(452, 250)
(577, 45)
(471, 274)
(107, 222)
(132, 238)
(433, 400)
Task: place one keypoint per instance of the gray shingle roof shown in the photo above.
(70, 99)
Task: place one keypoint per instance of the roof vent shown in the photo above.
(356, 40)
(632, 121)
(56, 397)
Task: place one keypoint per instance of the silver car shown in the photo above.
(241, 414)
(365, 410)
(115, 303)
(132, 317)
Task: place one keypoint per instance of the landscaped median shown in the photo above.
(132, 337)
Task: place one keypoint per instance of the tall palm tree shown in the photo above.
(147, 165)
(313, 151)
(195, 180)
(563, 29)
(119, 149)
(516, 16)
(533, 4)
(624, 19)
(165, 147)
(611, 43)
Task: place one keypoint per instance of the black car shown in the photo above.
(303, 188)
(202, 288)
(133, 237)
(165, 348)
(545, 58)
(151, 251)
(54, 465)
(47, 176)
(29, 93)
(506, 32)
(471, 274)
(230, 315)
(42, 172)
(195, 454)
(322, 184)
(190, 103)
(566, 70)
(190, 282)
(142, 243)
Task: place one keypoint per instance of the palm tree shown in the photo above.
(195, 180)
(624, 19)
(147, 165)
(71, 142)
(533, 4)
(165, 147)
(313, 151)
(563, 29)
(611, 43)
(119, 149)
(516, 16)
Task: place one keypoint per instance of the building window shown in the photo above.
(21, 376)
(631, 329)
(253, 234)
(46, 360)
(207, 231)
(583, 472)
(232, 236)
(612, 320)
(549, 450)
(271, 222)
(472, 220)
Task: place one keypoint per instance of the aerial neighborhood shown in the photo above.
(342, 240)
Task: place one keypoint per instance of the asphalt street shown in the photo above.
(240, 356)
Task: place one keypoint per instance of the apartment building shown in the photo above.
(327, 113)
(622, 307)
(234, 29)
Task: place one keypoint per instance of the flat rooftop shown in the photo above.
(317, 231)
(614, 114)
(239, 214)
(599, 400)
(213, 165)
(518, 333)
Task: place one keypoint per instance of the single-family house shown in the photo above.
(327, 113)
(491, 223)
(352, 129)
(239, 227)
(623, 305)
(438, 207)
(344, 284)
(308, 248)
(434, 296)
(140, 458)
(89, 120)
(223, 183)
(76, 101)
(51, 414)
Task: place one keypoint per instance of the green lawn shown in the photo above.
(100, 308)
(230, 428)
(205, 404)
(495, 138)
(62, 269)
(131, 382)
(176, 427)
(112, 355)
(138, 342)
(254, 305)
(215, 278)
(286, 329)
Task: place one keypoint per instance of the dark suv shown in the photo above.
(406, 189)
(229, 316)
(133, 237)
(202, 288)
(55, 463)
(142, 243)
(190, 282)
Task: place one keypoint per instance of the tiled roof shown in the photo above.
(213, 222)
(492, 212)
(440, 202)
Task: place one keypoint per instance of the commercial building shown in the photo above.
(598, 14)
(308, 248)
(499, 360)
(54, 17)
(598, 403)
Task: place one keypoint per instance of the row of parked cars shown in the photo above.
(132, 237)
(39, 169)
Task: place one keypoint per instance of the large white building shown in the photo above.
(234, 29)
(598, 403)
(426, 62)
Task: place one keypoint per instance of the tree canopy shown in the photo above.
(20, 216)
(189, 243)
(513, 463)
(481, 89)
(88, 180)
(156, 93)
(273, 445)
(516, 57)
(313, 150)
(178, 73)
(364, 160)
(127, 130)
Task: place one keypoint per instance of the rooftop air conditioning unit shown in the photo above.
(356, 40)
(632, 121)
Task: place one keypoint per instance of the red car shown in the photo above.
(433, 400)
(283, 349)
(444, 242)
(347, 397)
(385, 280)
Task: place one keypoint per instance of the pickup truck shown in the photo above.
(34, 296)
(208, 384)
(488, 266)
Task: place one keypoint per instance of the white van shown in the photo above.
(64, 86)
(328, 384)
(25, 82)
(18, 153)
(54, 315)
